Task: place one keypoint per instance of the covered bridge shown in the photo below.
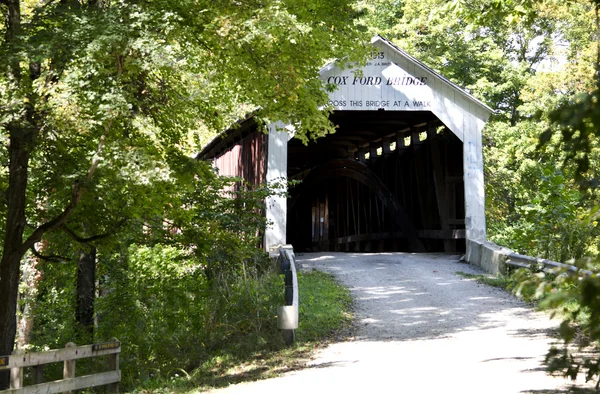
(403, 172)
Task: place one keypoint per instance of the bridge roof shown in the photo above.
(399, 63)
(392, 80)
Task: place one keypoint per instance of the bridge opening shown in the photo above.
(390, 179)
(385, 181)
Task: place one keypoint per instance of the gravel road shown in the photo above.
(421, 328)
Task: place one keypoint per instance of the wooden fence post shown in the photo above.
(69, 367)
(113, 365)
(70, 382)
(38, 374)
(16, 373)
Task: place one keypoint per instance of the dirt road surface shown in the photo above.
(421, 328)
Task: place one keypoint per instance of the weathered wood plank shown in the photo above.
(113, 364)
(440, 189)
(38, 374)
(386, 141)
(425, 234)
(53, 356)
(69, 366)
(400, 142)
(442, 234)
(64, 385)
(422, 189)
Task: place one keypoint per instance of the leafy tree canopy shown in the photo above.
(103, 104)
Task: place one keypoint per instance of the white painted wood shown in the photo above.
(276, 206)
(395, 81)
(473, 177)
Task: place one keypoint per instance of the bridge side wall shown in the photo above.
(244, 159)
(487, 255)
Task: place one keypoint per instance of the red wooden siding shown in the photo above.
(245, 159)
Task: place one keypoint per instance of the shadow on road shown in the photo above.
(420, 327)
(402, 296)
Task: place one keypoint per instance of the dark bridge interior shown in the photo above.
(385, 181)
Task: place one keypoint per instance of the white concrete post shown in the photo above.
(276, 206)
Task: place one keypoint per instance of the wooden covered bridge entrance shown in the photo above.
(403, 172)
(385, 181)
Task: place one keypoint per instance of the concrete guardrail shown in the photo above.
(496, 259)
(287, 314)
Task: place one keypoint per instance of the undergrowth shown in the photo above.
(504, 282)
(325, 310)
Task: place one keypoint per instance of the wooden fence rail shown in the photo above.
(19, 360)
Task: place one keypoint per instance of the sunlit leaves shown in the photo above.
(575, 299)
(152, 80)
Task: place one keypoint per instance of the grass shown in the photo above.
(501, 281)
(324, 315)
(325, 307)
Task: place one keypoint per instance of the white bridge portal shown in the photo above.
(404, 171)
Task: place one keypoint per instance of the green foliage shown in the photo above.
(324, 306)
(575, 298)
(501, 281)
(578, 118)
(186, 290)
(124, 93)
(325, 310)
(534, 205)
(168, 316)
(103, 105)
(550, 221)
(176, 287)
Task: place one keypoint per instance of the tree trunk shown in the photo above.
(30, 278)
(10, 265)
(22, 139)
(13, 239)
(86, 290)
(9, 284)
(18, 150)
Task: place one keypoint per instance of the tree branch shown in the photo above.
(39, 232)
(98, 151)
(47, 258)
(80, 239)
(58, 221)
